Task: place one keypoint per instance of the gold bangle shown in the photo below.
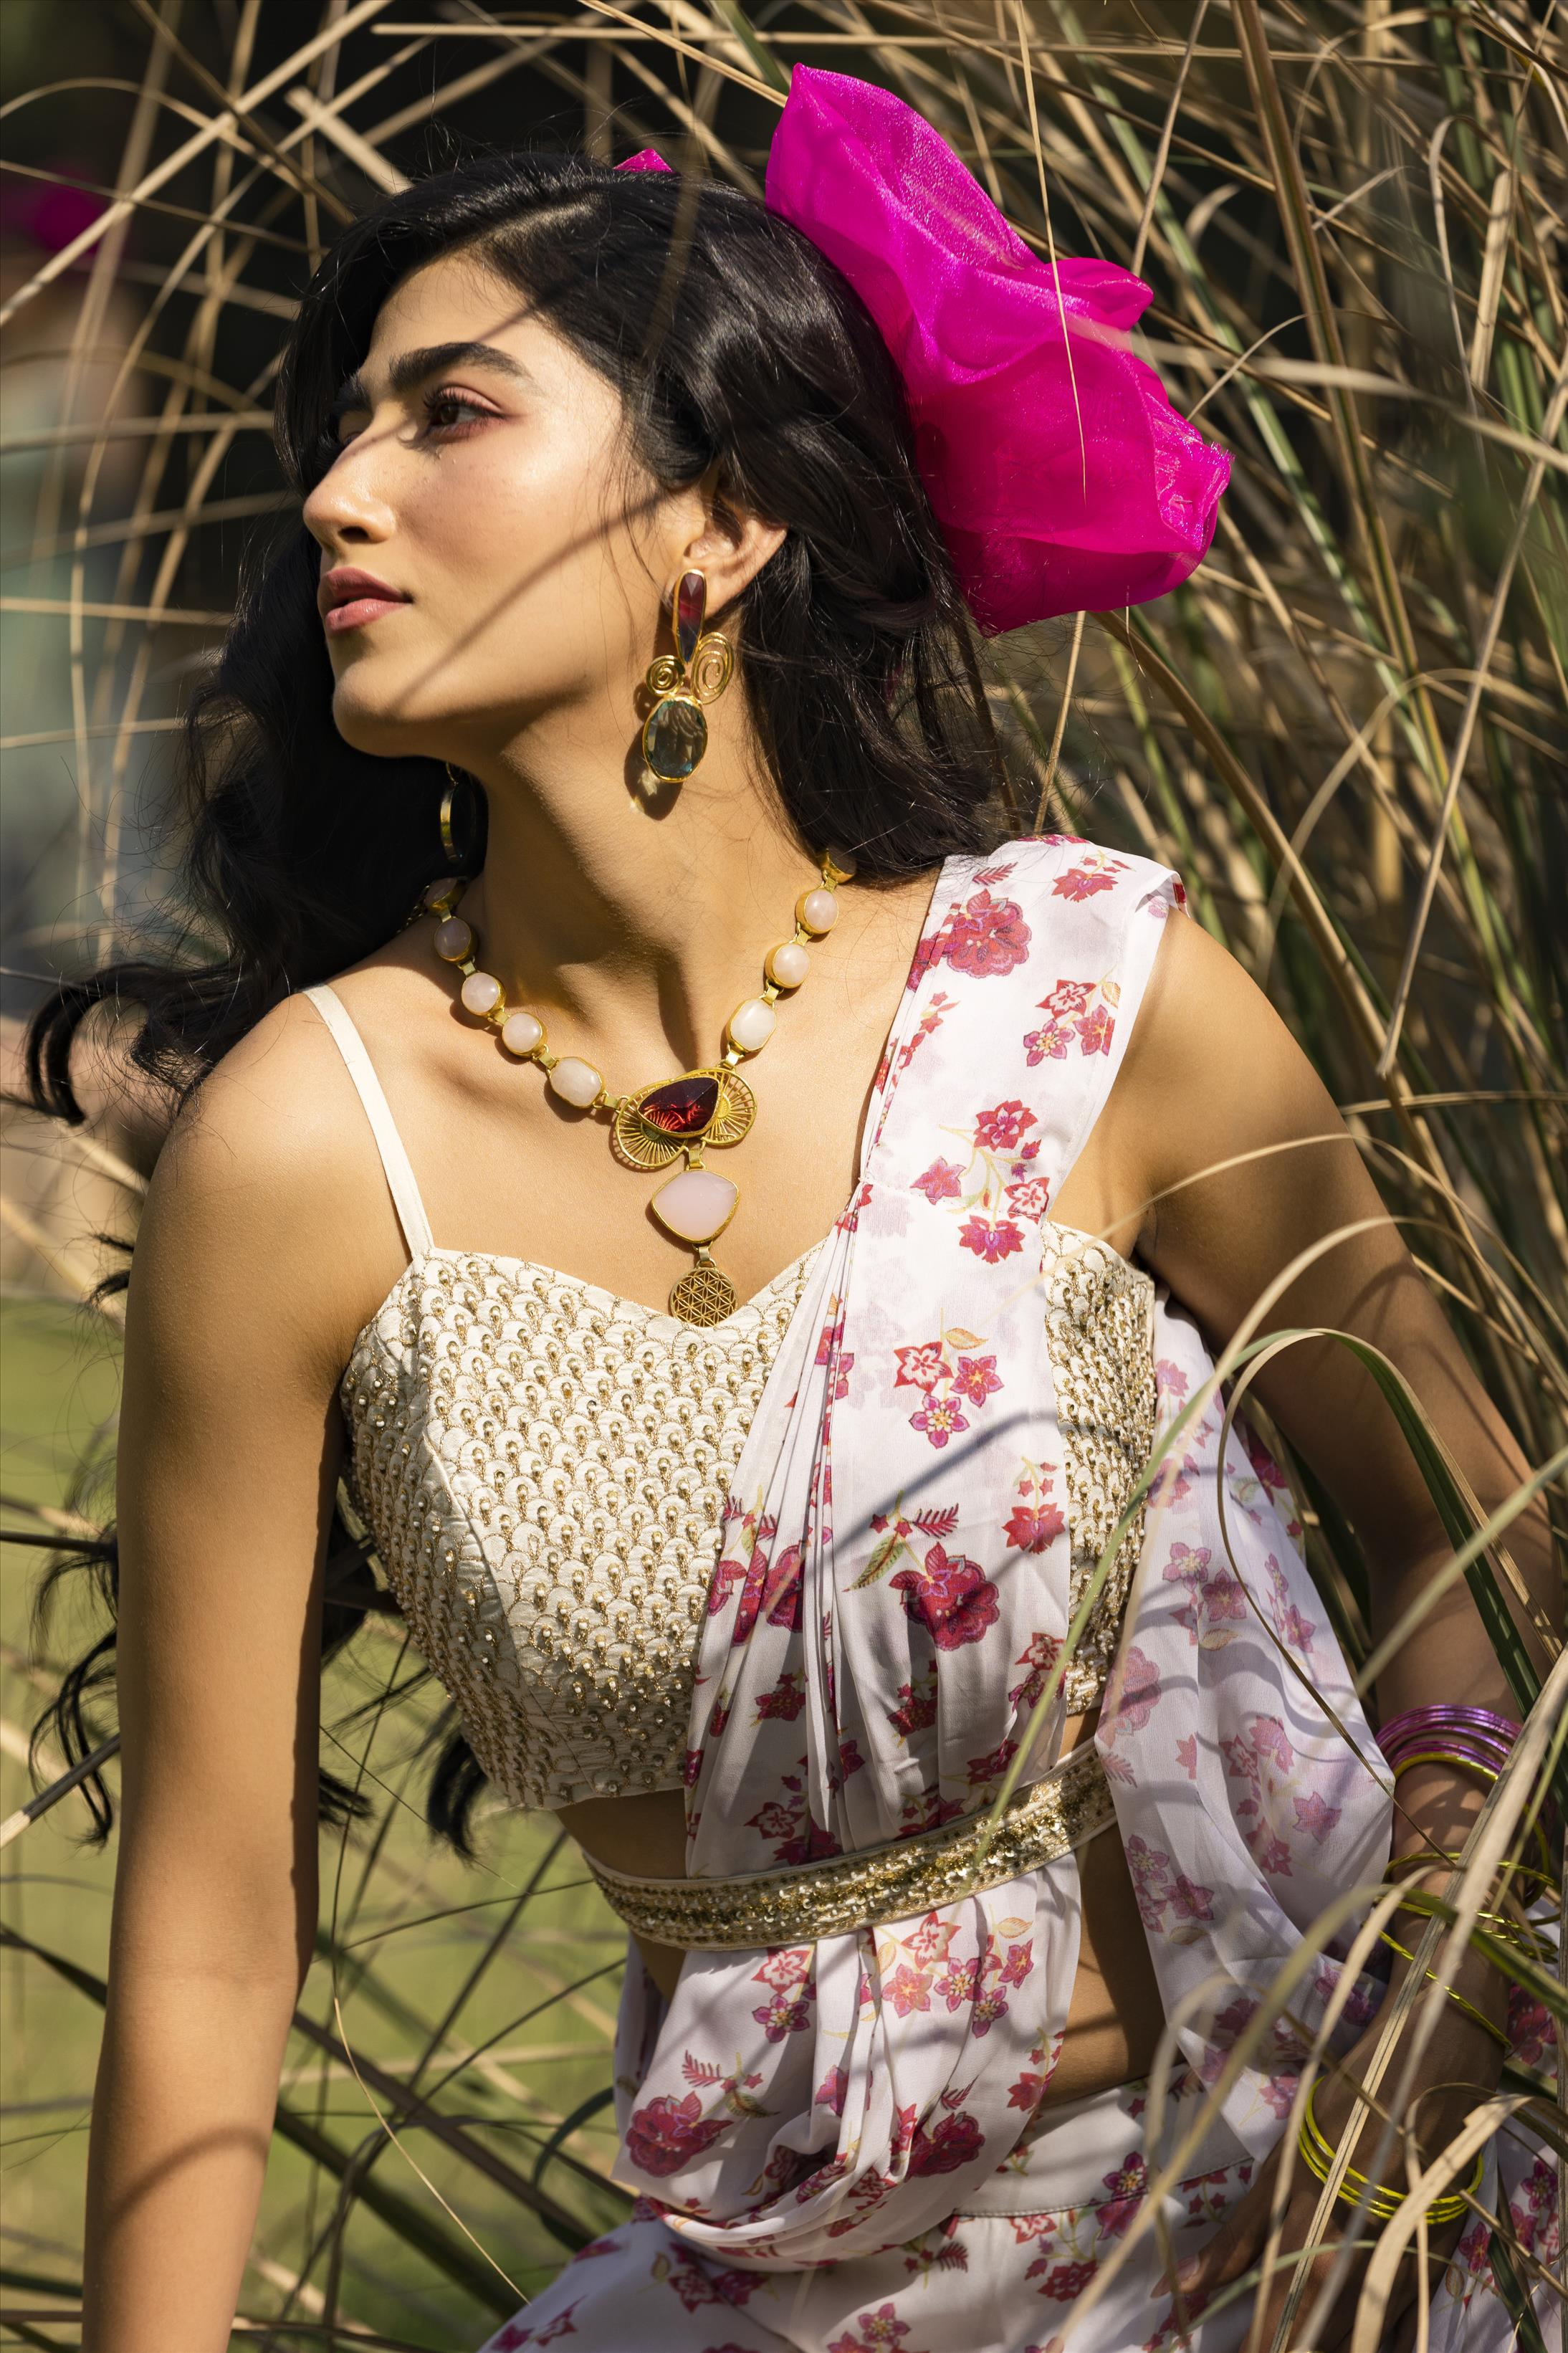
(1457, 1999)
(1399, 1867)
(1452, 2200)
(1422, 1859)
(1483, 1773)
(1446, 1757)
(1380, 2202)
(1505, 1930)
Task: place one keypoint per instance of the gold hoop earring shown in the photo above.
(675, 733)
(456, 860)
(447, 844)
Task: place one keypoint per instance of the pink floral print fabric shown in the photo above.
(892, 1594)
(1013, 2274)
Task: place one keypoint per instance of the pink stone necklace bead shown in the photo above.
(655, 1125)
(522, 1033)
(576, 1082)
(480, 993)
(752, 1025)
(787, 965)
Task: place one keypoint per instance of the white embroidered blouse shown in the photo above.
(543, 1464)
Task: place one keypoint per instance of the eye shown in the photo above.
(344, 420)
(449, 412)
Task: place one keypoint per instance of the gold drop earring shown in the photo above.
(675, 733)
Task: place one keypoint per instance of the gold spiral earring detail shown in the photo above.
(675, 733)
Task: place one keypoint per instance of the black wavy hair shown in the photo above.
(736, 346)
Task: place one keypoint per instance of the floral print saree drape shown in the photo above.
(895, 1584)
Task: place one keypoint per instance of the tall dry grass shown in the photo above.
(1350, 731)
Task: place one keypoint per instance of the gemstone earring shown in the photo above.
(675, 735)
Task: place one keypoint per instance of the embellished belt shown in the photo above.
(895, 1882)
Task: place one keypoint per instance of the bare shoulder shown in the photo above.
(1209, 1057)
(1219, 1125)
(1245, 1161)
(1197, 997)
(267, 1125)
(267, 1213)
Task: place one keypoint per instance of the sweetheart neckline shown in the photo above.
(620, 1300)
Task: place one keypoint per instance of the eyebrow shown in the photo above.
(412, 368)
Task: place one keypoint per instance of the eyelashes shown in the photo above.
(463, 412)
(333, 437)
(450, 414)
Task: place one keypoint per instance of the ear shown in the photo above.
(729, 546)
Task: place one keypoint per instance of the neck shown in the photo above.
(642, 923)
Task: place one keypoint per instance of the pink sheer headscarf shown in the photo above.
(1062, 478)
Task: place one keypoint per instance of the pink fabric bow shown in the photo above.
(1062, 478)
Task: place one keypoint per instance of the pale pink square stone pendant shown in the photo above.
(696, 1206)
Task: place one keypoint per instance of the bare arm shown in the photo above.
(229, 1459)
(1214, 1076)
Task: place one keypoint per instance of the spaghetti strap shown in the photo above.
(400, 1181)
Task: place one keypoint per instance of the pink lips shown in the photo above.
(349, 598)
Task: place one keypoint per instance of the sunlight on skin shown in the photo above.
(528, 568)
(525, 468)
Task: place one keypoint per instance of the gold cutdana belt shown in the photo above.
(810, 1900)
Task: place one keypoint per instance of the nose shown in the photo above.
(347, 508)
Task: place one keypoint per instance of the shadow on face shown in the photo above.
(497, 556)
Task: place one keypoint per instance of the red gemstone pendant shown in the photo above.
(683, 1107)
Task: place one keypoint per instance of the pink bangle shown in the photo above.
(1472, 1739)
(1478, 1731)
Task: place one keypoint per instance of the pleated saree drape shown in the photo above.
(894, 1587)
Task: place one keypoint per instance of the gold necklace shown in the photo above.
(656, 1124)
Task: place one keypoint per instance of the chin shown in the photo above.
(377, 723)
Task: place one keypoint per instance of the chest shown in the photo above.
(537, 1178)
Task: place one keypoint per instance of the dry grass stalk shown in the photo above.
(1349, 731)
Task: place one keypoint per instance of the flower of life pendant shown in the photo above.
(704, 1296)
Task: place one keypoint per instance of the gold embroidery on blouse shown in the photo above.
(1099, 1335)
(544, 1467)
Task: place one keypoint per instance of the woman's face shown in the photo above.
(491, 555)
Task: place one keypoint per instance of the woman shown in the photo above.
(770, 1534)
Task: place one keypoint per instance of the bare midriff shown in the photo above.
(1115, 2016)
